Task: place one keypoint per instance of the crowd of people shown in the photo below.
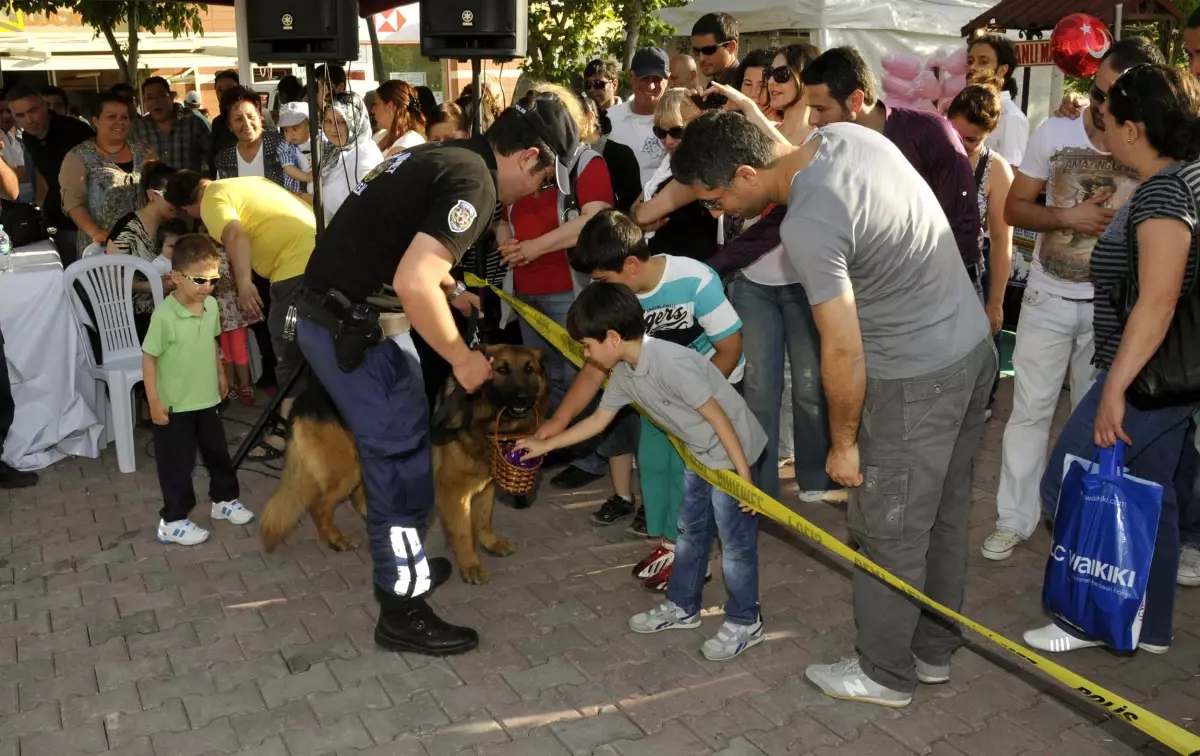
(753, 246)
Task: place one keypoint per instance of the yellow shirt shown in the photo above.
(281, 227)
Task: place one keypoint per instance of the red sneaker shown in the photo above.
(656, 561)
(658, 583)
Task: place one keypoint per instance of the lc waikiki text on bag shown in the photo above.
(1099, 561)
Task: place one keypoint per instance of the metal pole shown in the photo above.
(1117, 25)
(315, 114)
(376, 50)
(245, 71)
(474, 327)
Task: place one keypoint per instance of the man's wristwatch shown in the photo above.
(459, 289)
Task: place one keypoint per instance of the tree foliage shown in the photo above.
(105, 16)
(565, 34)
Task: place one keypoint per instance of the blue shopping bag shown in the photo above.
(1099, 562)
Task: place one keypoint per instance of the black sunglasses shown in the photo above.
(1096, 94)
(201, 280)
(598, 84)
(708, 49)
(781, 75)
(675, 133)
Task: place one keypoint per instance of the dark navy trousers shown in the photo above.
(383, 402)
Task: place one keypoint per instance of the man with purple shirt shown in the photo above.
(839, 87)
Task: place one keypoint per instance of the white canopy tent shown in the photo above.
(875, 27)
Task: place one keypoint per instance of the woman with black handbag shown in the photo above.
(1147, 324)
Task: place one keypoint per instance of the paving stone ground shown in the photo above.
(113, 643)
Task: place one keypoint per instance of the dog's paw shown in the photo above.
(342, 543)
(501, 547)
(476, 574)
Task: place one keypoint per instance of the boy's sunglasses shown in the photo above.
(597, 85)
(781, 75)
(675, 132)
(708, 49)
(201, 280)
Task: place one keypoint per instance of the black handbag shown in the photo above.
(23, 223)
(1171, 377)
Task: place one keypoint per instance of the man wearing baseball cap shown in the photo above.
(633, 120)
(398, 236)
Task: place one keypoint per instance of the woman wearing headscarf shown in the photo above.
(350, 152)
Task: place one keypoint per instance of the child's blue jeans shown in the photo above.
(707, 512)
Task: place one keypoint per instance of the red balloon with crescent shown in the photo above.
(1077, 44)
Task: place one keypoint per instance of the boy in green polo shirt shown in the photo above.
(181, 367)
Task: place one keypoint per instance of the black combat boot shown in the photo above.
(409, 624)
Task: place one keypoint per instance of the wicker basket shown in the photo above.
(511, 478)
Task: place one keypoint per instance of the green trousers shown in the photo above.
(660, 470)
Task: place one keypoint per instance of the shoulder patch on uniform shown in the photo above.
(462, 215)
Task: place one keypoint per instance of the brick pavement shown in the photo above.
(113, 643)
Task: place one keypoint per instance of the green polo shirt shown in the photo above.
(183, 342)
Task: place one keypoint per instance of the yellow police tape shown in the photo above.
(1167, 733)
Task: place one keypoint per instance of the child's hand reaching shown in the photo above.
(533, 447)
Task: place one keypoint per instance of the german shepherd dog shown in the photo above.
(321, 466)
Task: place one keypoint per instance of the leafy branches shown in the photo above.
(105, 16)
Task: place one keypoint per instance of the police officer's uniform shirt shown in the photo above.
(448, 191)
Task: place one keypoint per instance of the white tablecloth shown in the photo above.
(55, 397)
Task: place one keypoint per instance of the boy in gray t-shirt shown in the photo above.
(683, 392)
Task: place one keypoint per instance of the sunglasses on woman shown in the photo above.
(675, 132)
(781, 75)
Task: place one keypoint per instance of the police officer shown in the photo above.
(405, 226)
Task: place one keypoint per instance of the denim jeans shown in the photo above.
(559, 369)
(706, 512)
(1159, 438)
(778, 320)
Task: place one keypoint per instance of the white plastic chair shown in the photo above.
(92, 250)
(107, 280)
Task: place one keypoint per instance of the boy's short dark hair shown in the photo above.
(606, 240)
(602, 307)
(722, 26)
(192, 249)
(170, 227)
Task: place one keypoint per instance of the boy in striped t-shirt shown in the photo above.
(684, 303)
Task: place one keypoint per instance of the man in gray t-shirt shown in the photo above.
(907, 365)
(861, 220)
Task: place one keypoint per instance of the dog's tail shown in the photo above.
(297, 488)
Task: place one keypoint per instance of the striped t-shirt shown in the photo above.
(1162, 196)
(689, 308)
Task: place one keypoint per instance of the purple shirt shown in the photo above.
(933, 147)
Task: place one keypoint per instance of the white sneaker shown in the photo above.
(1189, 566)
(999, 545)
(665, 616)
(812, 497)
(1153, 649)
(846, 680)
(932, 674)
(785, 461)
(732, 640)
(182, 532)
(1053, 639)
(232, 511)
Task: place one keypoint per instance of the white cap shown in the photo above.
(292, 113)
(193, 98)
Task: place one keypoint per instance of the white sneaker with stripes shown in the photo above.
(732, 640)
(182, 532)
(232, 511)
(665, 616)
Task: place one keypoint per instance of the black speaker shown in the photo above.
(467, 29)
(289, 31)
